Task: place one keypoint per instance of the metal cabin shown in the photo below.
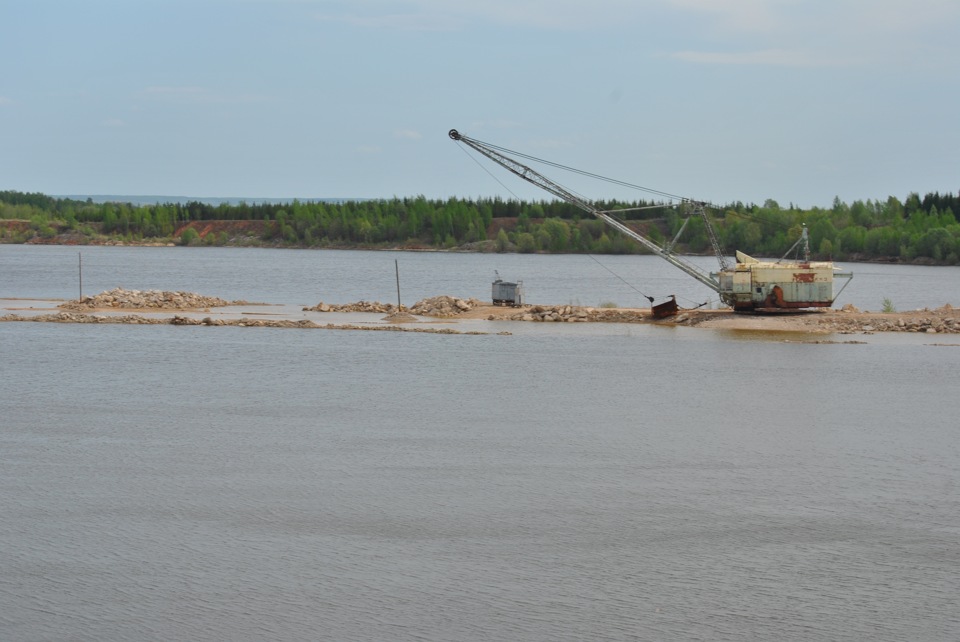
(758, 285)
(506, 293)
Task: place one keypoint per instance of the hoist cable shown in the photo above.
(491, 174)
(585, 173)
(615, 181)
(628, 284)
(610, 213)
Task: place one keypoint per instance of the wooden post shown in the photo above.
(80, 268)
(396, 266)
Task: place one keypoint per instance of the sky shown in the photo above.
(799, 101)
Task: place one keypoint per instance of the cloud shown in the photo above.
(551, 143)
(179, 95)
(175, 91)
(414, 21)
(801, 17)
(894, 16)
(737, 16)
(495, 124)
(768, 57)
(811, 33)
(566, 15)
(198, 95)
(812, 18)
(5, 101)
(407, 134)
(454, 15)
(368, 149)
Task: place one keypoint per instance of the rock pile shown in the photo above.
(148, 299)
(443, 306)
(944, 320)
(359, 306)
(925, 324)
(577, 314)
(438, 306)
(553, 314)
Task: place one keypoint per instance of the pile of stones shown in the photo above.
(438, 306)
(925, 324)
(443, 306)
(119, 298)
(577, 314)
(359, 306)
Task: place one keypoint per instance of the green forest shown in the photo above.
(916, 230)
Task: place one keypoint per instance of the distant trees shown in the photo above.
(917, 229)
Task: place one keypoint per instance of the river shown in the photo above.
(564, 482)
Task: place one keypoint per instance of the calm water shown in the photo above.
(305, 277)
(574, 482)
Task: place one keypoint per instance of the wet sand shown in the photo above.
(942, 320)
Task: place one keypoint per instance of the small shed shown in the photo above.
(507, 293)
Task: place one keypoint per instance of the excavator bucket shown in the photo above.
(665, 309)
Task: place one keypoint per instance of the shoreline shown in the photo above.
(477, 247)
(183, 308)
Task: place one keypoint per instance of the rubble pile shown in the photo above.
(443, 306)
(554, 314)
(925, 324)
(577, 314)
(850, 320)
(359, 306)
(148, 299)
(438, 306)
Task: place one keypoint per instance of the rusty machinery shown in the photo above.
(749, 285)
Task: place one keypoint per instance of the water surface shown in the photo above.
(570, 482)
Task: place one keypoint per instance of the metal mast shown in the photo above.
(541, 181)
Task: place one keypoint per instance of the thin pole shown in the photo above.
(80, 268)
(396, 266)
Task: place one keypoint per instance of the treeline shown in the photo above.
(917, 229)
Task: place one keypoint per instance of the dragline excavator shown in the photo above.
(749, 285)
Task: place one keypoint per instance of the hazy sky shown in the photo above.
(795, 100)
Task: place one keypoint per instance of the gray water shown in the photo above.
(566, 482)
(305, 277)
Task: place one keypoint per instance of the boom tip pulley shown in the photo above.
(454, 134)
